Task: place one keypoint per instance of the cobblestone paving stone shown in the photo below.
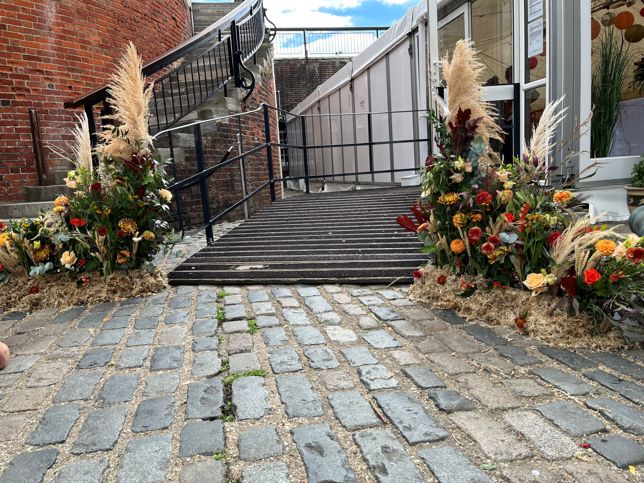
(139, 390)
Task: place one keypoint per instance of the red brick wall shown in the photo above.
(54, 50)
(297, 78)
(224, 186)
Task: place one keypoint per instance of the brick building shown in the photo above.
(55, 50)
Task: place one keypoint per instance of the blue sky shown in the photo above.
(335, 13)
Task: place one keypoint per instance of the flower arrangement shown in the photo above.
(504, 224)
(113, 219)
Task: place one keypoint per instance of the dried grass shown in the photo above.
(60, 291)
(545, 322)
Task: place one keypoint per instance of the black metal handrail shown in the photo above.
(210, 60)
(324, 41)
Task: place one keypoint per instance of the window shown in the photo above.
(492, 35)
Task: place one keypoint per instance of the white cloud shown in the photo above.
(306, 13)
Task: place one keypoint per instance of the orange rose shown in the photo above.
(605, 247)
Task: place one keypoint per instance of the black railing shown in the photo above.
(209, 61)
(324, 42)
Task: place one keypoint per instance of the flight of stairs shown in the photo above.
(341, 237)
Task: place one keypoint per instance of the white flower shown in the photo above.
(68, 259)
(456, 178)
(459, 164)
(503, 175)
(165, 195)
(508, 185)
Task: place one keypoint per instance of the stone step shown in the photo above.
(23, 210)
(44, 193)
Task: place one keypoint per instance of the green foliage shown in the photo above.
(221, 294)
(637, 175)
(228, 380)
(220, 313)
(220, 456)
(225, 365)
(608, 82)
(252, 326)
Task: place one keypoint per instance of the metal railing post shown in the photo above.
(370, 130)
(269, 152)
(242, 166)
(177, 195)
(234, 46)
(305, 156)
(203, 186)
(306, 50)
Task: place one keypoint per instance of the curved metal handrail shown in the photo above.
(214, 31)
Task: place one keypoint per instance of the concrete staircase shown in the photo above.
(342, 237)
(38, 199)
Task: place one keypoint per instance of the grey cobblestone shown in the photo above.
(202, 471)
(133, 357)
(384, 313)
(518, 355)
(626, 417)
(619, 364)
(83, 471)
(141, 337)
(380, 339)
(118, 388)
(423, 377)
(205, 399)
(568, 358)
(273, 472)
(263, 308)
(201, 344)
(377, 376)
(259, 443)
(250, 398)
(55, 425)
(629, 390)
(329, 318)
(564, 381)
(298, 397)
(234, 312)
(308, 335)
(526, 387)
(202, 438)
(239, 343)
(410, 417)
(284, 360)
(451, 401)
(75, 338)
(336, 380)
(321, 358)
(353, 410)
(296, 317)
(488, 393)
(233, 326)
(386, 457)
(485, 335)
(145, 459)
(100, 431)
(30, 466)
(449, 465)
(267, 321)
(244, 362)
(154, 413)
(26, 399)
(206, 327)
(274, 337)
(161, 384)
(324, 458)
(359, 356)
(97, 357)
(78, 386)
(621, 451)
(550, 442)
(341, 335)
(571, 418)
(205, 364)
(168, 357)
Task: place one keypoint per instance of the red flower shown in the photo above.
(77, 222)
(3, 226)
(552, 238)
(140, 191)
(407, 223)
(95, 187)
(429, 162)
(81, 262)
(494, 240)
(487, 248)
(585, 445)
(121, 234)
(592, 276)
(615, 276)
(1, 267)
(102, 231)
(484, 198)
(459, 263)
(417, 274)
(33, 289)
(635, 254)
(496, 284)
(525, 209)
(509, 217)
(84, 279)
(474, 235)
(520, 323)
(569, 285)
(441, 279)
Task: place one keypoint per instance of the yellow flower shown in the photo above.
(62, 200)
(148, 235)
(476, 217)
(165, 195)
(459, 220)
(128, 225)
(535, 282)
(68, 259)
(104, 211)
(37, 245)
(42, 254)
(508, 185)
(506, 196)
(448, 199)
(5, 238)
(503, 175)
(605, 247)
(123, 257)
(58, 209)
(459, 164)
(457, 246)
(562, 196)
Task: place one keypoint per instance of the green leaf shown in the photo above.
(488, 467)
(429, 249)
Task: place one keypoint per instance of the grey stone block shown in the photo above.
(550, 442)
(269, 472)
(353, 410)
(161, 384)
(626, 417)
(154, 413)
(359, 356)
(284, 360)
(205, 399)
(485, 335)
(622, 452)
(274, 337)
(630, 390)
(78, 386)
(83, 471)
(423, 377)
(133, 357)
(324, 458)
(167, 357)
(202, 438)
(97, 357)
(259, 443)
(201, 344)
(381, 339)
(410, 417)
(141, 337)
(308, 335)
(564, 381)
(518, 355)
(55, 425)
(377, 376)
(145, 459)
(205, 327)
(450, 401)
(449, 465)
(234, 312)
(568, 358)
(571, 418)
(100, 431)
(296, 316)
(243, 362)
(267, 321)
(29, 466)
(250, 398)
(108, 337)
(384, 314)
(298, 397)
(321, 357)
(118, 388)
(239, 343)
(386, 457)
(206, 363)
(203, 471)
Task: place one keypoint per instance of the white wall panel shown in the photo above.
(402, 124)
(326, 166)
(348, 153)
(380, 122)
(361, 97)
(336, 134)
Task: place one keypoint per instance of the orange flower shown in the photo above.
(128, 225)
(457, 246)
(562, 197)
(605, 247)
(123, 257)
(448, 199)
(62, 200)
(459, 220)
(476, 217)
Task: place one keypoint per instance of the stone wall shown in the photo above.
(204, 14)
(52, 51)
(297, 78)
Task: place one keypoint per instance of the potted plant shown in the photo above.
(635, 192)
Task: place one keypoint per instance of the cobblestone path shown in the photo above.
(303, 383)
